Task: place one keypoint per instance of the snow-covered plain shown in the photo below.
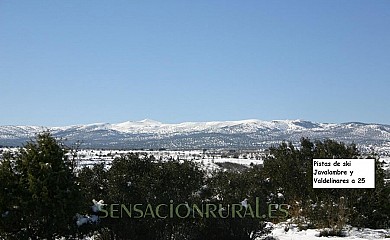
(288, 231)
(208, 161)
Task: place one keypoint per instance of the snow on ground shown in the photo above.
(207, 161)
(386, 161)
(279, 232)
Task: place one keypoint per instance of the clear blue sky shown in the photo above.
(72, 62)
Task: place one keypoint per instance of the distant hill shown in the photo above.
(245, 134)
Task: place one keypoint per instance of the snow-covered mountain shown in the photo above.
(197, 135)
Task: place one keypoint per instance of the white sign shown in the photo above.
(343, 173)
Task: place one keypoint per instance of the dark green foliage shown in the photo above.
(38, 191)
(290, 171)
(94, 185)
(330, 232)
(134, 179)
(140, 179)
(232, 167)
(227, 188)
(94, 182)
(371, 206)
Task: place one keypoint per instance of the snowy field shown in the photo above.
(208, 160)
(287, 231)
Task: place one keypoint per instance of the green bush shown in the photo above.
(38, 193)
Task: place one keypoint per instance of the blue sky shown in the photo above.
(71, 62)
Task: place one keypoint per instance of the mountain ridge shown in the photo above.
(250, 133)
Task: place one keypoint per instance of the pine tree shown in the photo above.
(39, 192)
